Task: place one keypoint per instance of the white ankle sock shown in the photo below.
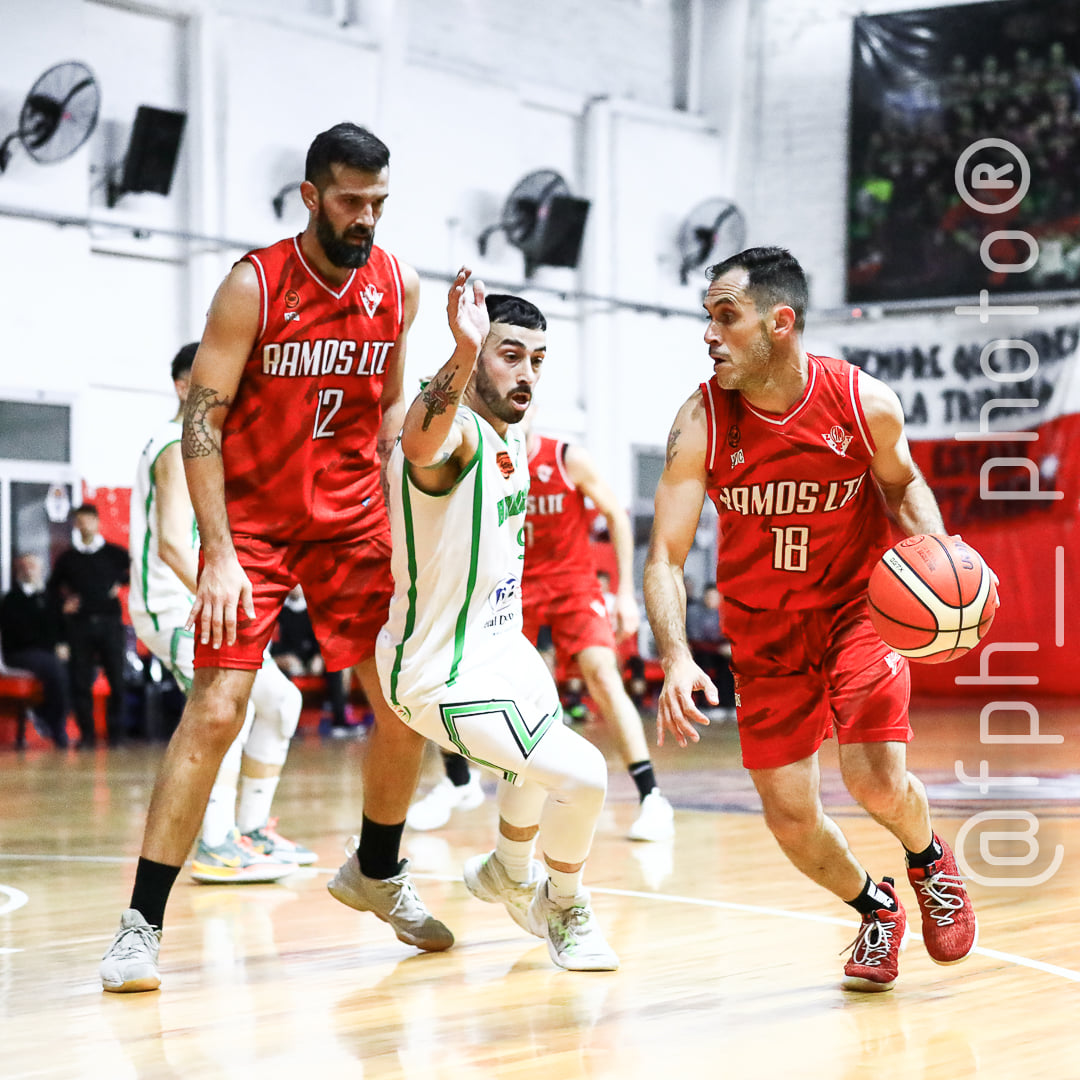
(562, 886)
(515, 856)
(256, 795)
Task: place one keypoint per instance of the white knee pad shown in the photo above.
(277, 704)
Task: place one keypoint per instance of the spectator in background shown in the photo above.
(86, 583)
(30, 634)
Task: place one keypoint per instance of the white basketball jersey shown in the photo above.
(155, 589)
(456, 562)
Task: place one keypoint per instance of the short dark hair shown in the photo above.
(775, 277)
(504, 308)
(344, 144)
(86, 508)
(182, 361)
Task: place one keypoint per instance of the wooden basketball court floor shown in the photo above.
(730, 959)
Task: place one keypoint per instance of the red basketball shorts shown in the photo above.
(800, 676)
(577, 616)
(347, 586)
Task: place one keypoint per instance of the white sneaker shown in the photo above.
(486, 878)
(394, 900)
(573, 938)
(434, 809)
(655, 820)
(130, 964)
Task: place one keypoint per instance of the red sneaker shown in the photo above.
(949, 927)
(875, 952)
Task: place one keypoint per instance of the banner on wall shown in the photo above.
(993, 420)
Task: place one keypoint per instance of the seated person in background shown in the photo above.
(711, 649)
(30, 636)
(296, 652)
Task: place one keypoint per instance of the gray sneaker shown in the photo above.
(574, 940)
(130, 965)
(394, 900)
(486, 878)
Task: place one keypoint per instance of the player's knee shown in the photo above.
(218, 716)
(585, 782)
(792, 823)
(881, 794)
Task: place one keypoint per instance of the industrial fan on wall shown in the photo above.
(58, 115)
(543, 220)
(713, 230)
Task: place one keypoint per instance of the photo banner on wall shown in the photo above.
(925, 86)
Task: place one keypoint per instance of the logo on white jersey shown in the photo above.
(837, 439)
(543, 473)
(370, 298)
(504, 606)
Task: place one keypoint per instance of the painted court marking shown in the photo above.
(17, 899)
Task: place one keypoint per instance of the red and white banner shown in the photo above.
(993, 418)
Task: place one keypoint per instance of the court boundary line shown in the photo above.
(666, 898)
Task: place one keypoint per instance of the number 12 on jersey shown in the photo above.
(329, 402)
(791, 548)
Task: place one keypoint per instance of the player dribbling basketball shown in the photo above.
(805, 458)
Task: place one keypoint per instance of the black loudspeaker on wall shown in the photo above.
(150, 163)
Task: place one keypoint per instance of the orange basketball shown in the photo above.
(932, 598)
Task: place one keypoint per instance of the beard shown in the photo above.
(500, 406)
(349, 254)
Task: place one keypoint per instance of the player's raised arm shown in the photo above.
(910, 501)
(231, 328)
(429, 437)
(581, 468)
(679, 498)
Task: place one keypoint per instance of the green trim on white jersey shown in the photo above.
(457, 559)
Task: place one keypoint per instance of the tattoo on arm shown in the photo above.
(672, 446)
(438, 397)
(199, 439)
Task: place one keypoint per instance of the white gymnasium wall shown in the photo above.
(470, 95)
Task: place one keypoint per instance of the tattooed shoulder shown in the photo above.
(672, 445)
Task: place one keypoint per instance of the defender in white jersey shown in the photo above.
(238, 843)
(452, 658)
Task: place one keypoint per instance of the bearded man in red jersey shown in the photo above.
(806, 460)
(295, 399)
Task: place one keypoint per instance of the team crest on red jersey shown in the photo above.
(292, 299)
(370, 298)
(734, 436)
(544, 473)
(837, 439)
(506, 466)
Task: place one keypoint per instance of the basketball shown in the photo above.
(932, 598)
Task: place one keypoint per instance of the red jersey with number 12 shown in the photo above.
(557, 552)
(299, 443)
(802, 522)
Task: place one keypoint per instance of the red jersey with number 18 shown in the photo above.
(802, 522)
(299, 443)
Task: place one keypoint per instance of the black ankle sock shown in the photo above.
(153, 882)
(457, 768)
(872, 898)
(923, 858)
(641, 772)
(378, 851)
